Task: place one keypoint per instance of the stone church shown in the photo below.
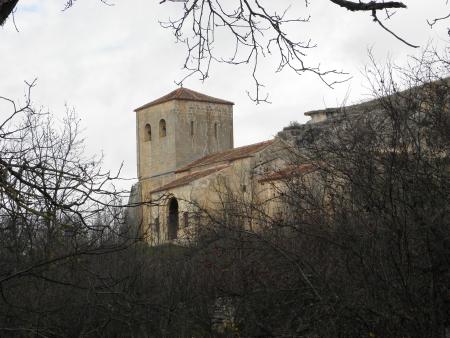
(185, 156)
(187, 163)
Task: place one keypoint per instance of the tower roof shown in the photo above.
(185, 94)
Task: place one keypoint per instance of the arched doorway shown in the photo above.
(172, 219)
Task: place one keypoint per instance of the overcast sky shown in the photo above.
(107, 60)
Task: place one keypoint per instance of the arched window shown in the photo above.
(172, 219)
(148, 133)
(162, 128)
(215, 130)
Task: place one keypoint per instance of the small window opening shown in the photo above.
(215, 130)
(192, 128)
(156, 229)
(148, 133)
(243, 188)
(186, 219)
(162, 128)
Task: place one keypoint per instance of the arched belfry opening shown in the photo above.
(162, 128)
(148, 132)
(172, 219)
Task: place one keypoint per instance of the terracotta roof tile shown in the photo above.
(227, 155)
(186, 95)
(189, 178)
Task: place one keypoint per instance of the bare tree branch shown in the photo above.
(375, 19)
(6, 7)
(368, 6)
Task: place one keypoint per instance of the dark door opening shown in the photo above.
(172, 222)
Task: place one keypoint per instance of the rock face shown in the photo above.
(329, 123)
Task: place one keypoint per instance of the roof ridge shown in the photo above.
(252, 144)
(205, 160)
(185, 94)
(178, 182)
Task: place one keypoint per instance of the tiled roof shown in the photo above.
(227, 155)
(189, 178)
(186, 95)
(288, 172)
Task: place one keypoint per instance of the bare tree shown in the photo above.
(56, 204)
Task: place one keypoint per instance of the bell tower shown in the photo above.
(179, 128)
